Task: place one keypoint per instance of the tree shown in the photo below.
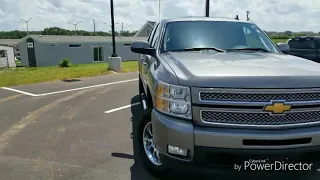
(288, 33)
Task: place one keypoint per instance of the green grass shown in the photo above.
(18, 63)
(24, 75)
(279, 40)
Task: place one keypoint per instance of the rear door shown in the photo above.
(294, 47)
(308, 49)
(318, 48)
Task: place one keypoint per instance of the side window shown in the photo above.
(318, 43)
(155, 37)
(307, 44)
(253, 40)
(293, 43)
(152, 33)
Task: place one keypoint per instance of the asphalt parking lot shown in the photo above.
(80, 129)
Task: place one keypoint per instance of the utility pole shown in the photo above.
(159, 11)
(94, 26)
(121, 29)
(248, 18)
(110, 25)
(114, 54)
(75, 26)
(27, 22)
(207, 8)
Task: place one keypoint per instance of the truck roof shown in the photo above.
(305, 37)
(201, 18)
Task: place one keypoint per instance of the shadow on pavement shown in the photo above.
(71, 80)
(139, 173)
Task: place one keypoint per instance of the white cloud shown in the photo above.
(275, 15)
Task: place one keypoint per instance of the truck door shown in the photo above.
(294, 47)
(318, 49)
(307, 47)
(143, 62)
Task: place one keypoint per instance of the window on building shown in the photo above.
(98, 54)
(74, 45)
(3, 53)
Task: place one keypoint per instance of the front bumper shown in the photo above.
(222, 148)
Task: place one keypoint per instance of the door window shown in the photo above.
(293, 43)
(307, 44)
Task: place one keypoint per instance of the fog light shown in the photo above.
(177, 151)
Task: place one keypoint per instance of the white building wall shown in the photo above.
(10, 59)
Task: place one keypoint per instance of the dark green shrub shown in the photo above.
(65, 62)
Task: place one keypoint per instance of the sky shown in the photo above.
(270, 15)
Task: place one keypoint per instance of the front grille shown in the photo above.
(258, 97)
(260, 119)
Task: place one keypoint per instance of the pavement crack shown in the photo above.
(10, 98)
(14, 130)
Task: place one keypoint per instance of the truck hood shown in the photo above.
(243, 70)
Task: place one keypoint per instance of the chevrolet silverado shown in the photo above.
(217, 92)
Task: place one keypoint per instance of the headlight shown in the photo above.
(174, 100)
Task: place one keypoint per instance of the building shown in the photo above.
(145, 29)
(49, 50)
(7, 58)
(12, 42)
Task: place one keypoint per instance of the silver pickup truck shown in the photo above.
(217, 93)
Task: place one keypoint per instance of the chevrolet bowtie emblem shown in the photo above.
(277, 108)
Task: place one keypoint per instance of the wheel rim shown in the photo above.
(150, 146)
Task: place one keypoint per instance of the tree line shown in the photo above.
(290, 34)
(59, 31)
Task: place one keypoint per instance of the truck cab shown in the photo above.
(305, 47)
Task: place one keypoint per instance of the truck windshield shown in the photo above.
(223, 35)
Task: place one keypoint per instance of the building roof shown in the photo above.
(78, 39)
(9, 41)
(6, 45)
(148, 23)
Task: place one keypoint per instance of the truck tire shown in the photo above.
(153, 167)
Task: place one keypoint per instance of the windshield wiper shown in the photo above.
(250, 49)
(199, 49)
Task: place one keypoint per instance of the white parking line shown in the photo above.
(123, 107)
(19, 91)
(68, 90)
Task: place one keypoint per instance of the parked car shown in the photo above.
(305, 47)
(217, 93)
